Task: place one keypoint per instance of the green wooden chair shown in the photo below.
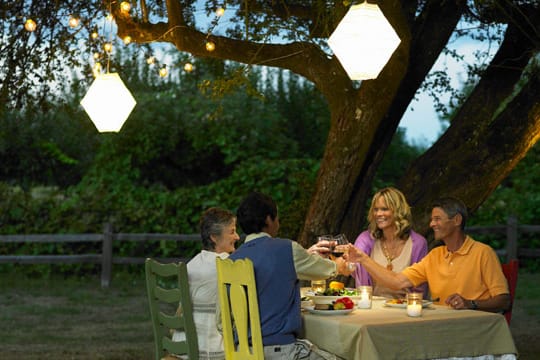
(239, 310)
(167, 287)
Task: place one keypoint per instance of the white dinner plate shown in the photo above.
(425, 303)
(330, 312)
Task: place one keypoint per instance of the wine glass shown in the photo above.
(325, 241)
(341, 245)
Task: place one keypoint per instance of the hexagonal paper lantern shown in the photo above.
(108, 102)
(364, 41)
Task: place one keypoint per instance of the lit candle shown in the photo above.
(365, 297)
(414, 309)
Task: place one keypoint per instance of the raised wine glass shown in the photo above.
(341, 245)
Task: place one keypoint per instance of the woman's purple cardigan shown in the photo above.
(365, 242)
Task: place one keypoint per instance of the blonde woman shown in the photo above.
(389, 240)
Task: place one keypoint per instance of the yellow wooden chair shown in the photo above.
(167, 286)
(239, 310)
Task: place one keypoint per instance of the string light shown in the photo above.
(163, 71)
(73, 21)
(127, 39)
(30, 25)
(96, 70)
(188, 67)
(94, 35)
(125, 6)
(108, 47)
(210, 46)
(150, 60)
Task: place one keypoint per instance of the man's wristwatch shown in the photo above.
(474, 305)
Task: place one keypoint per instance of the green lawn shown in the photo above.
(73, 318)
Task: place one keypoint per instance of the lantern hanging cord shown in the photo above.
(110, 35)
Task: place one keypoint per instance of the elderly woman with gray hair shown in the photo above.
(218, 233)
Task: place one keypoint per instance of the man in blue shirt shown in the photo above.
(279, 264)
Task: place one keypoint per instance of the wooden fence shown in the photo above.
(106, 258)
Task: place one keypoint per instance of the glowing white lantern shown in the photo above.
(108, 102)
(363, 41)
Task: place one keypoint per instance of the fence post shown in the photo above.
(511, 238)
(106, 255)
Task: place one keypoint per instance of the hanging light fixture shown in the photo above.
(364, 41)
(108, 101)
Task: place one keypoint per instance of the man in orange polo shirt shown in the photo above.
(465, 274)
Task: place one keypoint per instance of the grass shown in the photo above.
(73, 318)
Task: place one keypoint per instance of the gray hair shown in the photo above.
(453, 206)
(212, 222)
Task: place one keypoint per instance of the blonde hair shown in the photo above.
(395, 201)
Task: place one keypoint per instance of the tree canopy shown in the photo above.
(490, 131)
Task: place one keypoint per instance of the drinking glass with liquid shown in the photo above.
(341, 245)
(318, 286)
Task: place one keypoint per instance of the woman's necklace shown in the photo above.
(389, 255)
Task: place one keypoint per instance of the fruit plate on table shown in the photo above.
(402, 303)
(330, 312)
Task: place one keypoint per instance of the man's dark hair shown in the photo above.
(453, 206)
(253, 210)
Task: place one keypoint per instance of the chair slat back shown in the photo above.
(167, 284)
(510, 271)
(239, 306)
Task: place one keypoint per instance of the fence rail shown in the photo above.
(106, 258)
(512, 230)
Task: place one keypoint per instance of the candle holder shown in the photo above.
(318, 286)
(414, 304)
(365, 296)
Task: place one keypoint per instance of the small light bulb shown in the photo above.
(96, 55)
(188, 67)
(127, 39)
(163, 72)
(30, 25)
(109, 17)
(150, 60)
(210, 46)
(96, 70)
(220, 11)
(125, 6)
(107, 47)
(94, 35)
(73, 21)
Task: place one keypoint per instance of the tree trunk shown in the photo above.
(471, 158)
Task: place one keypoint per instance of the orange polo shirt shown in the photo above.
(473, 271)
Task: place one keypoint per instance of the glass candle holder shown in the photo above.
(364, 293)
(414, 304)
(318, 286)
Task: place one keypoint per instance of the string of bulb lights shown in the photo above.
(356, 27)
(74, 21)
